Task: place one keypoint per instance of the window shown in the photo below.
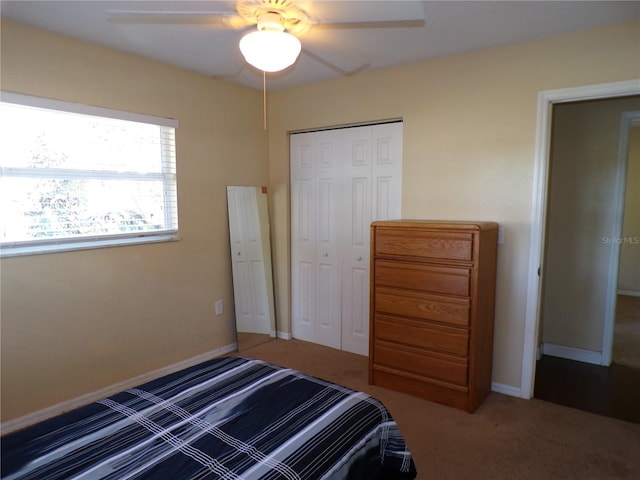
(75, 176)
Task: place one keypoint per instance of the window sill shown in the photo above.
(71, 245)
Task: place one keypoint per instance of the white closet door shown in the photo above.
(302, 237)
(341, 180)
(373, 179)
(315, 269)
(355, 243)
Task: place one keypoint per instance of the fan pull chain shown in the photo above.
(264, 98)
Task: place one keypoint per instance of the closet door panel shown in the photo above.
(355, 310)
(384, 205)
(326, 149)
(386, 172)
(303, 302)
(355, 276)
(328, 316)
(303, 233)
(315, 275)
(328, 322)
(355, 251)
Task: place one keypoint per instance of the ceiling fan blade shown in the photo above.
(332, 66)
(374, 24)
(149, 17)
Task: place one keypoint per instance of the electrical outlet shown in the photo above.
(219, 307)
(500, 235)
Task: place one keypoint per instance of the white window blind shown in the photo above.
(75, 176)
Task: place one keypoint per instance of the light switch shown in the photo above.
(219, 307)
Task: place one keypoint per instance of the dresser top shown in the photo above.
(453, 224)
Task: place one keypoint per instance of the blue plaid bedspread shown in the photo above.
(228, 418)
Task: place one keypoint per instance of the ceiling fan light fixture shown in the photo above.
(270, 50)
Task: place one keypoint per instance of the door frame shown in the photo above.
(546, 100)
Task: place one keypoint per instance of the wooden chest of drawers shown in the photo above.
(432, 309)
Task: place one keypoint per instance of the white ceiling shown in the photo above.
(451, 27)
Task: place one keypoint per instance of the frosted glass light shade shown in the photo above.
(270, 50)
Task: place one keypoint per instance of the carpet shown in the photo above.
(506, 438)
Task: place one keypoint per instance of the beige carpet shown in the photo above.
(507, 437)
(626, 336)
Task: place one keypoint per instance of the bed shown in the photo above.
(227, 418)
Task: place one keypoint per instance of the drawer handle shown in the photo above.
(359, 259)
(325, 254)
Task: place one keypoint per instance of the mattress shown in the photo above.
(227, 418)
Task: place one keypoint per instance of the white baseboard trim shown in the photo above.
(49, 412)
(284, 335)
(629, 293)
(506, 389)
(571, 353)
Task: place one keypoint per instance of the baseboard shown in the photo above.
(284, 335)
(571, 353)
(49, 412)
(629, 293)
(506, 389)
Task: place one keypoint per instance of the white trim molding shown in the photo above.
(54, 104)
(49, 412)
(571, 353)
(506, 389)
(546, 100)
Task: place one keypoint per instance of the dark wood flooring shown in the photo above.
(610, 391)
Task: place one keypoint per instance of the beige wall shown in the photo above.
(76, 322)
(469, 133)
(583, 193)
(629, 271)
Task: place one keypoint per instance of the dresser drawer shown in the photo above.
(421, 243)
(419, 362)
(429, 278)
(421, 305)
(422, 334)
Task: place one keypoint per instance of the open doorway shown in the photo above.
(626, 328)
(582, 248)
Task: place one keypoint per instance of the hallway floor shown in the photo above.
(610, 391)
(626, 335)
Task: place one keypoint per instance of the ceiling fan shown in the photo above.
(274, 45)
